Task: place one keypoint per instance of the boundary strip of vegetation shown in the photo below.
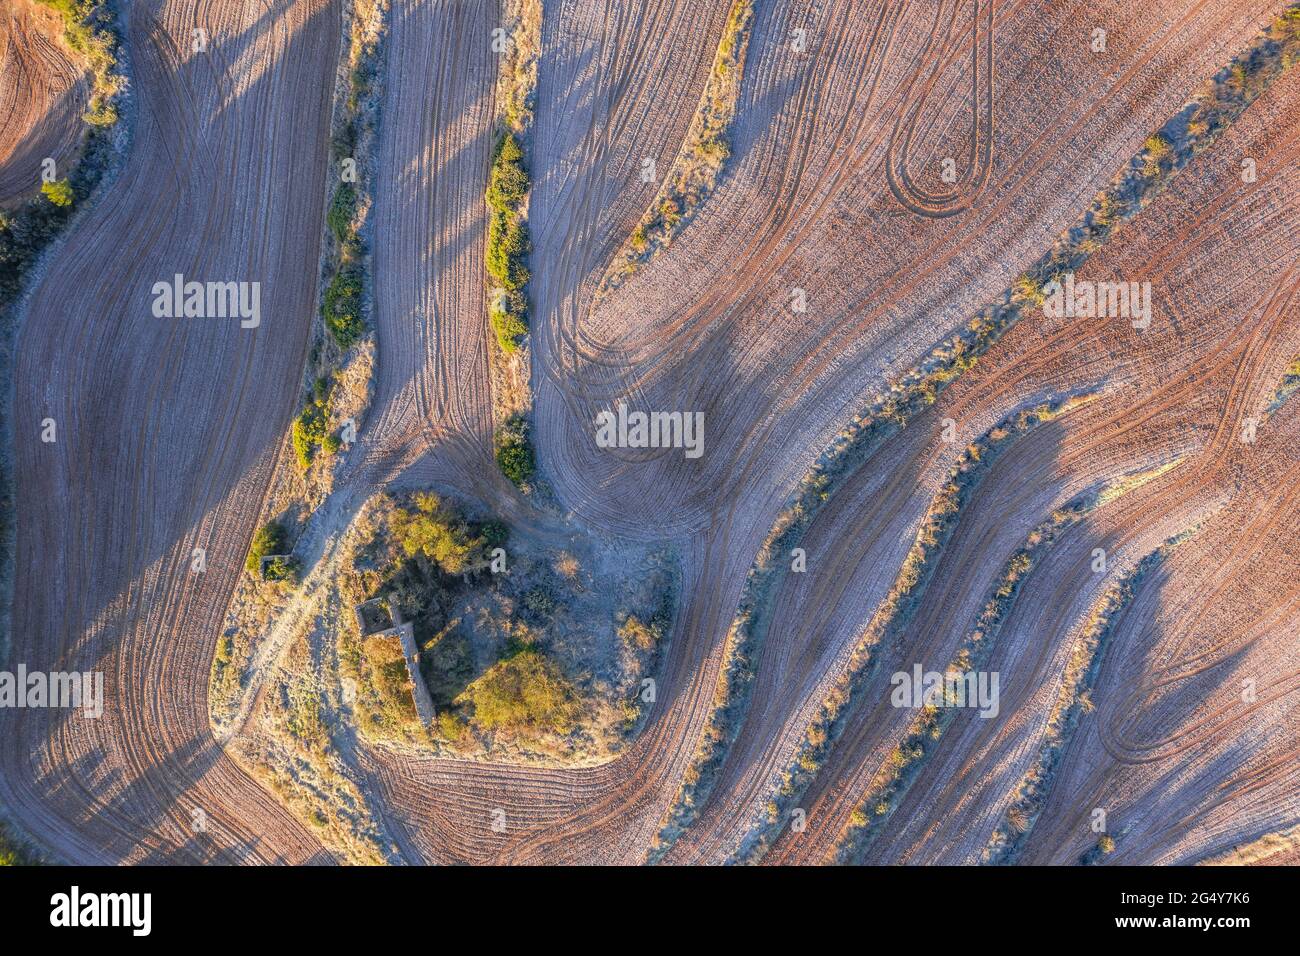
(508, 244)
(895, 611)
(895, 777)
(1073, 702)
(347, 297)
(698, 165)
(341, 362)
(1219, 102)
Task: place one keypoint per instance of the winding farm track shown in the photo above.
(167, 430)
(43, 93)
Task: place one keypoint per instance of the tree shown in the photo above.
(59, 192)
(269, 539)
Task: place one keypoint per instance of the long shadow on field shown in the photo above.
(1106, 765)
(856, 546)
(161, 425)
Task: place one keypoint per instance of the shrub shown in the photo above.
(508, 183)
(271, 538)
(342, 208)
(526, 692)
(342, 307)
(638, 635)
(495, 534)
(59, 192)
(515, 451)
(449, 726)
(507, 250)
(508, 326)
(310, 428)
(11, 854)
(280, 569)
(438, 534)
(1156, 149)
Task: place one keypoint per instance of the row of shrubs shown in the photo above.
(1165, 153)
(900, 770)
(508, 244)
(343, 300)
(341, 309)
(1073, 701)
(896, 609)
(696, 170)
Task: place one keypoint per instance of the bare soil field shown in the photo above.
(1179, 393)
(891, 168)
(609, 813)
(165, 430)
(43, 92)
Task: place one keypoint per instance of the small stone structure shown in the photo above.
(377, 612)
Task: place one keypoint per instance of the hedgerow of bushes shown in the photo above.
(311, 428)
(514, 451)
(507, 242)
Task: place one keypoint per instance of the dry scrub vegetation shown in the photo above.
(527, 654)
(695, 171)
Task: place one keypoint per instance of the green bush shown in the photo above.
(508, 244)
(508, 183)
(310, 428)
(280, 569)
(11, 854)
(342, 208)
(342, 306)
(507, 250)
(59, 192)
(271, 538)
(515, 451)
(495, 534)
(526, 692)
(508, 326)
(438, 533)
